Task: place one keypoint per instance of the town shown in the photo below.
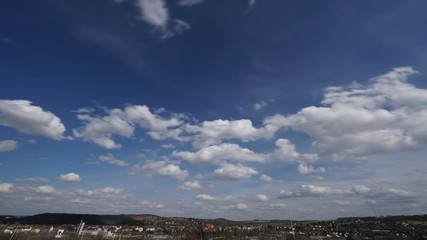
(59, 226)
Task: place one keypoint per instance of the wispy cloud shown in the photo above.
(259, 106)
(110, 159)
(33, 179)
(156, 13)
(189, 2)
(8, 145)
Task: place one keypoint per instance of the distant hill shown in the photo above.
(148, 219)
(390, 218)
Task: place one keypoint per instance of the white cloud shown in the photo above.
(174, 171)
(382, 116)
(8, 145)
(205, 197)
(234, 172)
(342, 203)
(213, 132)
(154, 12)
(190, 185)
(361, 189)
(265, 178)
(33, 179)
(217, 153)
(310, 191)
(378, 192)
(168, 146)
(159, 127)
(110, 190)
(152, 205)
(70, 177)
(242, 206)
(277, 206)
(30, 119)
(189, 2)
(399, 192)
(109, 158)
(308, 169)
(251, 3)
(262, 197)
(6, 187)
(286, 150)
(100, 129)
(259, 106)
(45, 189)
(166, 169)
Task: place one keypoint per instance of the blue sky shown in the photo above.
(240, 109)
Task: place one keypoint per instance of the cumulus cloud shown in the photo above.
(8, 145)
(189, 2)
(359, 120)
(285, 150)
(308, 169)
(166, 169)
(190, 185)
(100, 130)
(45, 189)
(205, 197)
(229, 171)
(70, 177)
(122, 122)
(158, 127)
(265, 178)
(110, 159)
(214, 132)
(262, 197)
(217, 153)
(30, 119)
(6, 187)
